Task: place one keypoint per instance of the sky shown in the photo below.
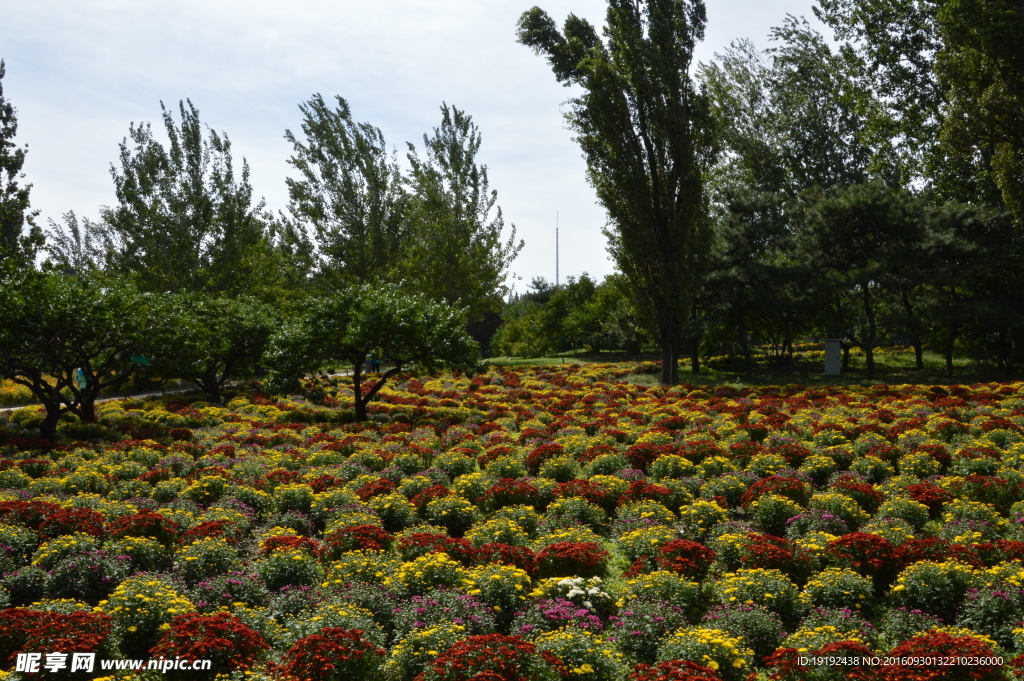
(79, 73)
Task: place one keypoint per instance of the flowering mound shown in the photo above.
(493, 658)
(535, 522)
(222, 638)
(332, 655)
(673, 670)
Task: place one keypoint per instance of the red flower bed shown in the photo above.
(30, 514)
(35, 631)
(421, 543)
(776, 553)
(935, 549)
(868, 554)
(790, 488)
(930, 495)
(866, 496)
(698, 450)
(492, 658)
(685, 557)
(521, 557)
(494, 453)
(421, 499)
(272, 544)
(332, 655)
(642, 455)
(641, 491)
(355, 538)
(509, 492)
(541, 454)
(593, 452)
(586, 490)
(70, 521)
(212, 528)
(741, 453)
(673, 670)
(785, 665)
(374, 488)
(145, 523)
(988, 489)
(793, 452)
(937, 452)
(572, 559)
(222, 638)
(936, 644)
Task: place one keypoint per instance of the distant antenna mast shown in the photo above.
(556, 249)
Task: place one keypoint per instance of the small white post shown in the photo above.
(833, 361)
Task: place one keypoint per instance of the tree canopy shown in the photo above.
(646, 133)
(347, 326)
(17, 247)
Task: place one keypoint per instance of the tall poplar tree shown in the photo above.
(349, 193)
(17, 248)
(457, 253)
(646, 133)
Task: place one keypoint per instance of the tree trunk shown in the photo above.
(748, 362)
(915, 336)
(209, 384)
(695, 356)
(950, 342)
(87, 409)
(869, 345)
(846, 357)
(48, 428)
(666, 360)
(357, 388)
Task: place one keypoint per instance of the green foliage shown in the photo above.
(52, 327)
(349, 325)
(183, 220)
(212, 340)
(645, 131)
(349, 191)
(456, 253)
(17, 248)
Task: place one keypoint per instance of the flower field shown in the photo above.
(527, 523)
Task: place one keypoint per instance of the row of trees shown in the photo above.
(187, 221)
(68, 339)
(862, 191)
(865, 263)
(190, 276)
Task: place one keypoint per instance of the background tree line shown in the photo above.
(190, 277)
(866, 188)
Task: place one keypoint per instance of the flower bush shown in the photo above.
(584, 655)
(288, 568)
(642, 623)
(712, 648)
(769, 588)
(673, 670)
(412, 653)
(427, 572)
(495, 658)
(441, 607)
(840, 588)
(334, 654)
(141, 609)
(935, 588)
(221, 638)
(572, 559)
(770, 513)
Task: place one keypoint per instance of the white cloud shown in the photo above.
(80, 72)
